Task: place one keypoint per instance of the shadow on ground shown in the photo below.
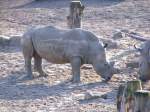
(14, 88)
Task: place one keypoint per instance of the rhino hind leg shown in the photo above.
(28, 53)
(76, 63)
(28, 68)
(38, 65)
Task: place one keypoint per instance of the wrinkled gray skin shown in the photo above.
(58, 46)
(144, 63)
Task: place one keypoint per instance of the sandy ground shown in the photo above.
(56, 93)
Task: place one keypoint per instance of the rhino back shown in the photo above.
(76, 34)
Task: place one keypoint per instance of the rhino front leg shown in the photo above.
(76, 63)
(38, 65)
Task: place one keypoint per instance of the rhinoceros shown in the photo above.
(60, 46)
(144, 60)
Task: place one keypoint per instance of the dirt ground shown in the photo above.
(56, 93)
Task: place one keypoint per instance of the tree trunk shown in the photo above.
(125, 96)
(76, 12)
(142, 101)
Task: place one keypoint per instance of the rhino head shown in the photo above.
(144, 61)
(102, 67)
(105, 70)
(144, 69)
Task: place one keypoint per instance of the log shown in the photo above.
(4, 40)
(142, 101)
(76, 12)
(125, 96)
(134, 35)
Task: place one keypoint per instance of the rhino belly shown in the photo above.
(52, 51)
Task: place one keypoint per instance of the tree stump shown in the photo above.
(76, 12)
(125, 96)
(142, 101)
(119, 97)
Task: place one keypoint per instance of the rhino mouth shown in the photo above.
(114, 71)
(107, 79)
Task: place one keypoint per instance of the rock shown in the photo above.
(88, 96)
(117, 35)
(132, 64)
(91, 96)
(86, 67)
(13, 40)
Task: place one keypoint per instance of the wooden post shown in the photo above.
(120, 97)
(142, 101)
(76, 12)
(125, 96)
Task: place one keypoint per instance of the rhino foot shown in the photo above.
(75, 80)
(43, 74)
(28, 77)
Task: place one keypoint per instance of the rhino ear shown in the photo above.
(138, 49)
(105, 45)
